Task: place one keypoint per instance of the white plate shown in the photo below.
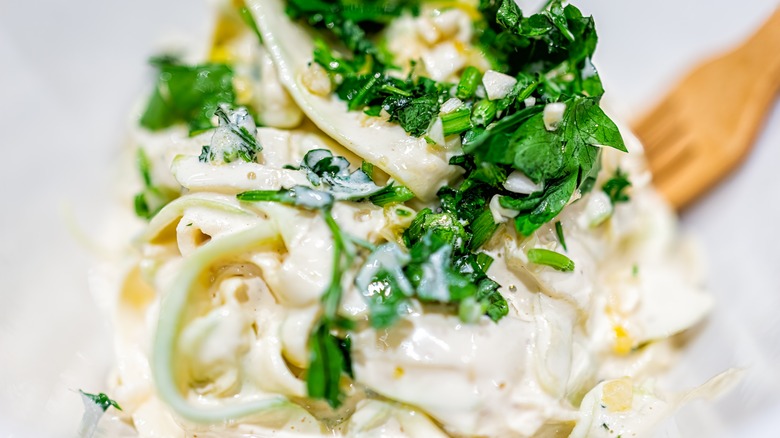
(69, 75)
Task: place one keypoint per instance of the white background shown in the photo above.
(70, 72)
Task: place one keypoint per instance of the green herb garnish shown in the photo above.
(347, 20)
(552, 259)
(456, 121)
(483, 112)
(469, 80)
(152, 198)
(187, 94)
(328, 358)
(548, 53)
(559, 233)
(616, 186)
(101, 400)
(391, 194)
(232, 138)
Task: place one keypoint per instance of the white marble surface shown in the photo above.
(71, 71)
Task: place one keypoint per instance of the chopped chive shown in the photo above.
(527, 91)
(373, 111)
(283, 196)
(395, 90)
(552, 259)
(391, 194)
(359, 99)
(368, 169)
(483, 112)
(483, 228)
(468, 83)
(456, 121)
(429, 140)
(559, 232)
(300, 196)
(484, 261)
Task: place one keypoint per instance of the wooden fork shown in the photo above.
(706, 125)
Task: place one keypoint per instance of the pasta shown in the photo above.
(312, 268)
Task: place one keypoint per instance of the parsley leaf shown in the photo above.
(586, 123)
(187, 94)
(432, 273)
(322, 168)
(496, 305)
(334, 182)
(561, 159)
(416, 115)
(327, 361)
(384, 284)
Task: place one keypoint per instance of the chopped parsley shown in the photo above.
(152, 198)
(331, 172)
(348, 21)
(547, 53)
(235, 138)
(616, 186)
(95, 405)
(101, 400)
